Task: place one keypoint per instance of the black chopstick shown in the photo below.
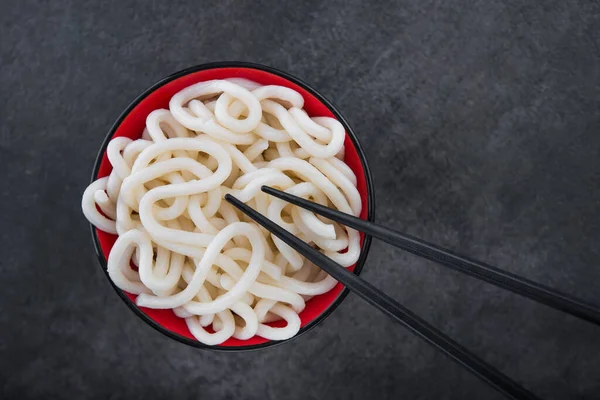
(447, 258)
(390, 307)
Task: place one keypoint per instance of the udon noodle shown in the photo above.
(180, 246)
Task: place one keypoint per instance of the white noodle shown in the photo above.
(194, 252)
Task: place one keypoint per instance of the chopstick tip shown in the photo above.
(229, 198)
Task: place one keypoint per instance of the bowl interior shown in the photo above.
(132, 123)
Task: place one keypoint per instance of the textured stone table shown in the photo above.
(481, 121)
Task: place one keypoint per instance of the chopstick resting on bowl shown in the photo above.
(447, 258)
(389, 306)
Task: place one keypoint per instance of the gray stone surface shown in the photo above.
(481, 122)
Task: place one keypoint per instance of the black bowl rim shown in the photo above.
(370, 203)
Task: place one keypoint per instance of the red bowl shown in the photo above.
(131, 124)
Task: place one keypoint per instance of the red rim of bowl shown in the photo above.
(250, 71)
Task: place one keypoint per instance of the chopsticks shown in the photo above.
(447, 258)
(393, 309)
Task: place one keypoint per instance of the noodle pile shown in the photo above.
(196, 254)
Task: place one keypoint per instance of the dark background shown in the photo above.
(481, 123)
